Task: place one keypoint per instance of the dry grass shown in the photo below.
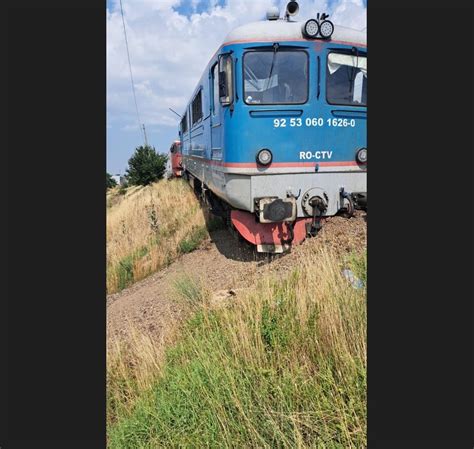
(147, 228)
(133, 365)
(281, 365)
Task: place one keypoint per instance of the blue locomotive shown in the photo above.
(274, 136)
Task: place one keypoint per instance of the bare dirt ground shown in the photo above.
(223, 264)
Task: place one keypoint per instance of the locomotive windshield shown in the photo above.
(347, 79)
(276, 77)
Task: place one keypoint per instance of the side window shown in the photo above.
(226, 85)
(215, 89)
(184, 123)
(197, 108)
(347, 79)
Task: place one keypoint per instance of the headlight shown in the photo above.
(326, 29)
(264, 157)
(311, 28)
(361, 155)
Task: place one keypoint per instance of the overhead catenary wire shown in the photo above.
(140, 124)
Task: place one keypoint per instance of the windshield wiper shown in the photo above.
(275, 49)
(354, 69)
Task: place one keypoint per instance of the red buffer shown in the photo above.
(269, 235)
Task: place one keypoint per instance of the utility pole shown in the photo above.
(144, 133)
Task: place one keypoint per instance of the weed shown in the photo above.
(283, 366)
(192, 242)
(190, 291)
(357, 262)
(125, 272)
(165, 218)
(153, 219)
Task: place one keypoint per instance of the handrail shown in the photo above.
(268, 112)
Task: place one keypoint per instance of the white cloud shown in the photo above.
(351, 13)
(169, 50)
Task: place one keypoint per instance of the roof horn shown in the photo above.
(292, 9)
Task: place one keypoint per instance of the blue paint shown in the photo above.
(249, 128)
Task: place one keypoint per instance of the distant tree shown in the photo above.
(110, 182)
(146, 166)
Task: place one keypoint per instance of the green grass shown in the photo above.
(124, 269)
(282, 366)
(357, 262)
(190, 291)
(197, 235)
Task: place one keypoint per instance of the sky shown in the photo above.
(170, 43)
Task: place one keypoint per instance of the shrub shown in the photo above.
(109, 181)
(146, 166)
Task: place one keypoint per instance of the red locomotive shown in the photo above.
(176, 159)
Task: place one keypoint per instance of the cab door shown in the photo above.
(216, 115)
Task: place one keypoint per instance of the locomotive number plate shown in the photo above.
(318, 122)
